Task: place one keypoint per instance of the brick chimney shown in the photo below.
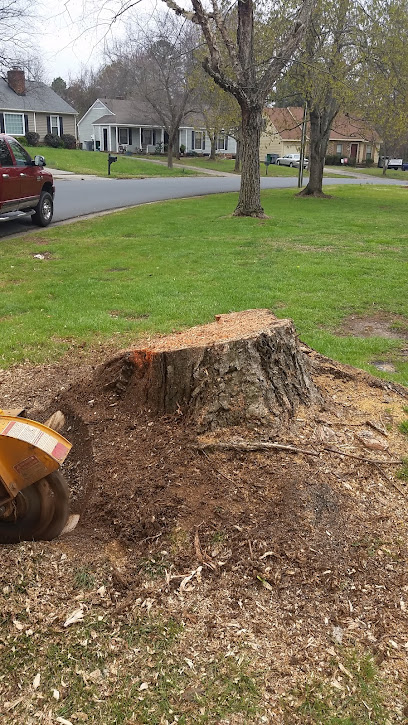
(16, 80)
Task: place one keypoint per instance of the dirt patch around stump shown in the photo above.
(294, 556)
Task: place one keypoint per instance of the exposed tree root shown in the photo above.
(316, 194)
(256, 213)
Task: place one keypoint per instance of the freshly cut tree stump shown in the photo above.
(244, 366)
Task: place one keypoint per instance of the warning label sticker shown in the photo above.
(31, 469)
(36, 437)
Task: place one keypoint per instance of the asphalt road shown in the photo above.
(76, 197)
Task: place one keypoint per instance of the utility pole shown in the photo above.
(302, 147)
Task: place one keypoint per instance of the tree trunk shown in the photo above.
(384, 166)
(213, 149)
(249, 203)
(170, 154)
(246, 366)
(320, 126)
(237, 166)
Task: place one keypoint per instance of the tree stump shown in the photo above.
(245, 366)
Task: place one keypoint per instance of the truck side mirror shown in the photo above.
(39, 160)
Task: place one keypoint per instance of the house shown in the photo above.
(350, 137)
(33, 106)
(116, 124)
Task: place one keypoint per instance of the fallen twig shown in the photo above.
(390, 481)
(363, 458)
(253, 446)
(249, 446)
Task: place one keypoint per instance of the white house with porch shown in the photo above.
(118, 125)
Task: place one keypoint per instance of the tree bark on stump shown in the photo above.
(244, 367)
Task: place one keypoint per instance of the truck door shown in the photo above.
(30, 176)
(10, 184)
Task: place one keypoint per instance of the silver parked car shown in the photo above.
(292, 160)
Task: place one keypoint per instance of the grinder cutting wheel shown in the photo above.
(34, 495)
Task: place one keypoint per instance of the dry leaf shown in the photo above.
(76, 616)
(195, 573)
(345, 671)
(144, 686)
(371, 442)
(36, 681)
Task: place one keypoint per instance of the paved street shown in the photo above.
(77, 197)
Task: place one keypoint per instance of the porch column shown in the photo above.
(116, 139)
(140, 138)
(110, 139)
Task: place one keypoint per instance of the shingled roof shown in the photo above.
(37, 97)
(136, 112)
(288, 121)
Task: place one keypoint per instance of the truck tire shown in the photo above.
(44, 210)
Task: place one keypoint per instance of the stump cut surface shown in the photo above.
(244, 366)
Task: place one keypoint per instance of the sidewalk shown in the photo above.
(59, 174)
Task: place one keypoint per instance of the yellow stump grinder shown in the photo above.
(34, 496)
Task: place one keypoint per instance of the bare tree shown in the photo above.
(247, 69)
(220, 110)
(383, 78)
(326, 76)
(15, 41)
(159, 57)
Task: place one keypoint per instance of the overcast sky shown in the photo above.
(75, 31)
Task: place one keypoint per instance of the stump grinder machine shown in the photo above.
(34, 496)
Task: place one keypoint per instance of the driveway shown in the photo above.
(78, 196)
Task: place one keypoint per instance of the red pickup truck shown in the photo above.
(24, 185)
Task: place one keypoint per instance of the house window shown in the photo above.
(369, 153)
(124, 136)
(199, 141)
(339, 149)
(55, 125)
(222, 142)
(14, 124)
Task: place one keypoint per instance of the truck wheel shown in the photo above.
(44, 210)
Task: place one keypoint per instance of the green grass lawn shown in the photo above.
(91, 162)
(165, 266)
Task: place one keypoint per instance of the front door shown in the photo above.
(9, 178)
(105, 139)
(353, 150)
